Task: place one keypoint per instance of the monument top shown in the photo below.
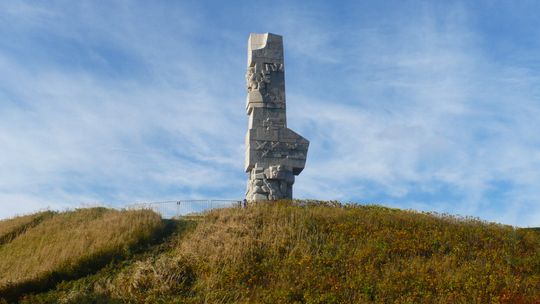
(259, 41)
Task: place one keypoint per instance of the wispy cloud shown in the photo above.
(430, 123)
(139, 103)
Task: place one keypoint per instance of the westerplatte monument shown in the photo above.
(274, 153)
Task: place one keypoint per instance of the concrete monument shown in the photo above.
(274, 153)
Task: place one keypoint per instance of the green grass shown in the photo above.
(69, 245)
(321, 252)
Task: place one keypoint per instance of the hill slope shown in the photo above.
(320, 252)
(58, 246)
(11, 228)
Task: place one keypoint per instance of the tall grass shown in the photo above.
(316, 252)
(71, 244)
(11, 228)
(347, 254)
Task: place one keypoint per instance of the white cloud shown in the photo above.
(430, 110)
(409, 112)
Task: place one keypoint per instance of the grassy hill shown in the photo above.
(285, 252)
(49, 247)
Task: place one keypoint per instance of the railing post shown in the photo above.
(166, 209)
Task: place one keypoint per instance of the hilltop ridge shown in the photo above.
(297, 252)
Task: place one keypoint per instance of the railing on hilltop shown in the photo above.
(175, 209)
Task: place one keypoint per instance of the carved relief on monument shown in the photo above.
(257, 77)
(256, 81)
(273, 124)
(278, 149)
(275, 96)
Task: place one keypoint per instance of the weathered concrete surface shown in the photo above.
(274, 153)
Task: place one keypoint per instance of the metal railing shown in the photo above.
(179, 208)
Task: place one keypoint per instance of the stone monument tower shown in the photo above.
(274, 153)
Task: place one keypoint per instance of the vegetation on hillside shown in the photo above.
(11, 228)
(69, 245)
(322, 252)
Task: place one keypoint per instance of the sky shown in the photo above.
(424, 105)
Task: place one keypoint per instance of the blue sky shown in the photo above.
(427, 105)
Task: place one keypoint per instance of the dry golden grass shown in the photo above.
(10, 228)
(71, 244)
(316, 252)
